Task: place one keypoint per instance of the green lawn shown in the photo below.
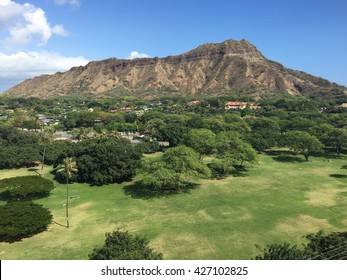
(279, 200)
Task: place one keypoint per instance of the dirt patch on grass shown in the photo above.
(303, 224)
(323, 196)
(189, 245)
(237, 215)
(203, 215)
(84, 205)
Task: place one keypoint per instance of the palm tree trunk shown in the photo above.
(43, 159)
(67, 202)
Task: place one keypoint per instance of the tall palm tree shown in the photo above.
(44, 141)
(68, 166)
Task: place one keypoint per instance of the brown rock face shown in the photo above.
(211, 68)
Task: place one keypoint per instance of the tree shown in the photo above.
(44, 141)
(20, 148)
(22, 219)
(284, 251)
(265, 133)
(25, 187)
(157, 176)
(332, 246)
(174, 169)
(230, 147)
(303, 143)
(337, 138)
(105, 161)
(185, 161)
(201, 140)
(124, 246)
(68, 167)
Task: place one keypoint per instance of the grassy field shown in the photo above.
(279, 200)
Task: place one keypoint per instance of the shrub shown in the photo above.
(25, 187)
(22, 219)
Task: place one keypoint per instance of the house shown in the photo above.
(194, 102)
(236, 105)
(62, 135)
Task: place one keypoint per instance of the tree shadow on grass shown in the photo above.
(34, 169)
(288, 158)
(239, 171)
(338, 175)
(279, 152)
(139, 191)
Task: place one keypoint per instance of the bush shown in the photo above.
(22, 219)
(124, 246)
(25, 187)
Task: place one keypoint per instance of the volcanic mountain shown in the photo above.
(213, 69)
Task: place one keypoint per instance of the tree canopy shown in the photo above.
(332, 246)
(174, 169)
(124, 246)
(25, 187)
(302, 142)
(106, 161)
(22, 219)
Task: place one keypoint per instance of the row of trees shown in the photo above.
(270, 129)
(318, 246)
(120, 245)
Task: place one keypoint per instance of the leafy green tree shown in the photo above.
(124, 246)
(318, 247)
(58, 150)
(231, 148)
(174, 169)
(201, 140)
(332, 246)
(19, 220)
(25, 187)
(321, 131)
(185, 161)
(284, 251)
(299, 123)
(174, 130)
(154, 128)
(265, 133)
(158, 177)
(20, 148)
(105, 161)
(215, 123)
(337, 138)
(68, 167)
(19, 156)
(303, 143)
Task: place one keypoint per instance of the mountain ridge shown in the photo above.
(212, 68)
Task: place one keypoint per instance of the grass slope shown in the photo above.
(279, 200)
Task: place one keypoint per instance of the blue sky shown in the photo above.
(46, 36)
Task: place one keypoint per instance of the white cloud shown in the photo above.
(60, 30)
(136, 54)
(24, 65)
(73, 3)
(25, 24)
